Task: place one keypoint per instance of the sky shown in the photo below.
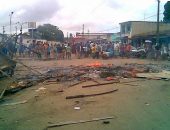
(70, 15)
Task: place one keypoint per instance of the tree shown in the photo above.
(167, 12)
(50, 32)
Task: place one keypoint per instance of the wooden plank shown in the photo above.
(78, 122)
(90, 95)
(94, 85)
(15, 103)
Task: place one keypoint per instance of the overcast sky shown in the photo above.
(70, 15)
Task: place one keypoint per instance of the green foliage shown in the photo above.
(167, 12)
(50, 32)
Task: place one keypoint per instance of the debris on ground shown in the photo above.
(100, 84)
(90, 95)
(157, 76)
(40, 89)
(75, 75)
(78, 122)
(14, 103)
(76, 108)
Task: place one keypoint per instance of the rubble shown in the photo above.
(75, 75)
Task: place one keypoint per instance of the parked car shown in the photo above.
(138, 52)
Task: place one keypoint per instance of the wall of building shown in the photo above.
(95, 36)
(126, 29)
(147, 27)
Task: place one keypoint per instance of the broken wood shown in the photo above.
(100, 84)
(78, 122)
(132, 81)
(15, 103)
(129, 84)
(12, 78)
(77, 83)
(48, 83)
(56, 91)
(91, 95)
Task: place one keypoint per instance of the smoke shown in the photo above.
(39, 11)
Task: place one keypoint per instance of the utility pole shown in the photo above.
(10, 15)
(32, 33)
(88, 32)
(16, 29)
(83, 30)
(67, 37)
(3, 33)
(3, 28)
(21, 40)
(157, 32)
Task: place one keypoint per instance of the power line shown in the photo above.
(110, 29)
(155, 15)
(116, 27)
(92, 11)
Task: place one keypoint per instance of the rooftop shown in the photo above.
(142, 22)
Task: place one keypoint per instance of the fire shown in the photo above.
(95, 64)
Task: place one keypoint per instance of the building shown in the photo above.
(139, 31)
(1, 37)
(99, 36)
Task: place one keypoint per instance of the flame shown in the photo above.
(95, 64)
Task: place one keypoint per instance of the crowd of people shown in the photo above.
(101, 49)
(93, 49)
(45, 50)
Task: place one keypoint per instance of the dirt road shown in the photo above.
(144, 105)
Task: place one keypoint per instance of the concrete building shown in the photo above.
(99, 36)
(138, 31)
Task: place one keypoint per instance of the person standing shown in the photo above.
(128, 49)
(122, 50)
(68, 52)
(59, 51)
(63, 51)
(52, 52)
(93, 50)
(116, 49)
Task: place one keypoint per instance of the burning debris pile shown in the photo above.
(73, 75)
(94, 71)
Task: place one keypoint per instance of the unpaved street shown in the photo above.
(141, 105)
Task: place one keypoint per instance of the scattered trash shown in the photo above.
(106, 122)
(165, 75)
(110, 78)
(76, 108)
(75, 75)
(147, 104)
(40, 89)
